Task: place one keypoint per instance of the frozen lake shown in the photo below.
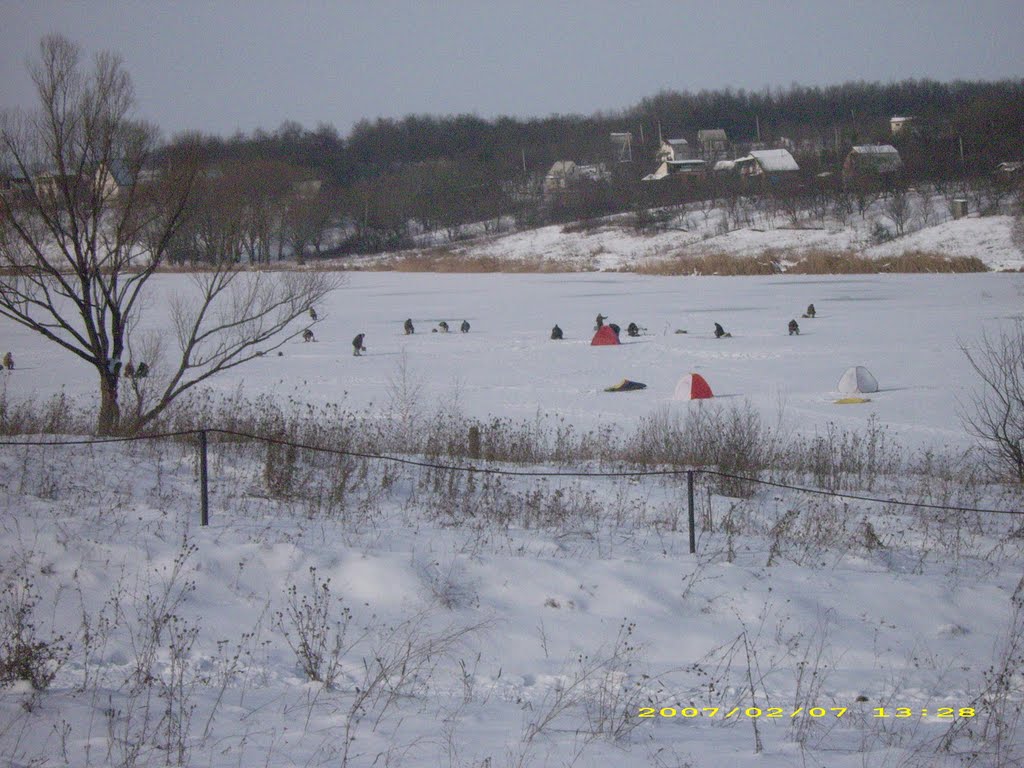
(904, 328)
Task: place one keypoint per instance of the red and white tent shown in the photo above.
(692, 386)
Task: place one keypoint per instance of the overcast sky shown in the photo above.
(226, 66)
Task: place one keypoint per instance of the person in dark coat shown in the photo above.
(719, 331)
(464, 327)
(633, 330)
(794, 328)
(312, 314)
(408, 327)
(556, 333)
(357, 344)
(810, 311)
(443, 326)
(307, 335)
(9, 361)
(600, 321)
(615, 328)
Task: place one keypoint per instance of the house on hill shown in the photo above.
(898, 124)
(871, 162)
(762, 165)
(714, 144)
(564, 173)
(767, 162)
(673, 149)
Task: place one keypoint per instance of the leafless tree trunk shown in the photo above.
(996, 413)
(91, 222)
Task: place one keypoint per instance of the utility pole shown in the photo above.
(522, 153)
(757, 122)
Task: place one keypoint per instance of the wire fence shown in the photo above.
(691, 473)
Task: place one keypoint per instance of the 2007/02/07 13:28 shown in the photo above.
(779, 712)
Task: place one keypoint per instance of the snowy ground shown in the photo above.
(508, 645)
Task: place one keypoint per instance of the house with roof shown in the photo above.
(673, 149)
(688, 167)
(869, 162)
(564, 173)
(714, 144)
(767, 162)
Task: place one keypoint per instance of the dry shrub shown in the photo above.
(447, 261)
(810, 262)
(711, 264)
(926, 261)
(909, 262)
(833, 263)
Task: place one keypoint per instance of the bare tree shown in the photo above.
(899, 209)
(996, 413)
(90, 222)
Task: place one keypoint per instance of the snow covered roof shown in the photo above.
(686, 163)
(678, 142)
(774, 160)
(875, 149)
(725, 165)
(711, 134)
(562, 168)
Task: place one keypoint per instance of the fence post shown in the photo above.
(204, 496)
(689, 504)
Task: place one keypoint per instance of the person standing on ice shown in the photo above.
(600, 321)
(357, 344)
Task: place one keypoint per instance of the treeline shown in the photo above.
(390, 180)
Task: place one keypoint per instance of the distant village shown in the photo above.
(756, 164)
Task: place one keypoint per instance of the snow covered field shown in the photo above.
(473, 641)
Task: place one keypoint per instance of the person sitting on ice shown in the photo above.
(464, 327)
(810, 311)
(720, 332)
(556, 333)
(443, 326)
(633, 330)
(409, 327)
(9, 361)
(307, 335)
(794, 328)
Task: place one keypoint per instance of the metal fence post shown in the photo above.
(204, 495)
(689, 504)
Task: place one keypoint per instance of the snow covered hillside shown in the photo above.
(347, 612)
(699, 229)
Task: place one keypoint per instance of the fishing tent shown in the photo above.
(692, 386)
(857, 381)
(605, 336)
